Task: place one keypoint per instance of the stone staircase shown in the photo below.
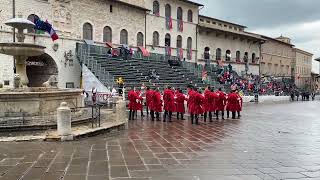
(135, 71)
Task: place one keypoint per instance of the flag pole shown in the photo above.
(14, 32)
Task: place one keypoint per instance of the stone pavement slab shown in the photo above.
(271, 141)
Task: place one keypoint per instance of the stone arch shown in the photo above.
(40, 69)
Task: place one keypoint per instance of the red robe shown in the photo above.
(198, 104)
(213, 99)
(149, 98)
(156, 104)
(191, 101)
(207, 101)
(168, 98)
(220, 103)
(133, 97)
(139, 101)
(233, 102)
(180, 98)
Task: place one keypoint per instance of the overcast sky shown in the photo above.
(297, 19)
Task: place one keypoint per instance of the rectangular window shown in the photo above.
(201, 20)
(225, 26)
(214, 22)
(208, 21)
(111, 8)
(6, 83)
(70, 85)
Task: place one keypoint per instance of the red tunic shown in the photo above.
(139, 101)
(180, 98)
(133, 97)
(220, 103)
(207, 101)
(191, 101)
(156, 102)
(168, 98)
(149, 98)
(213, 99)
(233, 102)
(198, 104)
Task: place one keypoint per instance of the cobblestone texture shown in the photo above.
(275, 141)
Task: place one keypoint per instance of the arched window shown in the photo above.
(218, 54)
(156, 9)
(167, 40)
(238, 55)
(155, 38)
(179, 41)
(179, 13)
(189, 43)
(245, 57)
(190, 16)
(139, 39)
(32, 18)
(87, 31)
(228, 55)
(168, 10)
(123, 36)
(253, 57)
(107, 34)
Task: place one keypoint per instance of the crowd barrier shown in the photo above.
(247, 99)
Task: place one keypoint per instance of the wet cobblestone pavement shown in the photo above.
(271, 141)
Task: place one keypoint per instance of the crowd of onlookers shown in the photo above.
(255, 84)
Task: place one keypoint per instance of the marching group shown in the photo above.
(171, 101)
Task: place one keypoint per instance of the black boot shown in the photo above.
(210, 116)
(165, 116)
(192, 116)
(170, 116)
(152, 115)
(217, 115)
(234, 115)
(130, 115)
(197, 119)
(182, 118)
(205, 117)
(177, 116)
(228, 113)
(158, 116)
(222, 112)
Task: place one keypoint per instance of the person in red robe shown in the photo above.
(180, 98)
(220, 103)
(207, 104)
(139, 103)
(233, 103)
(239, 105)
(214, 99)
(198, 105)
(228, 105)
(191, 102)
(156, 105)
(169, 107)
(149, 93)
(133, 107)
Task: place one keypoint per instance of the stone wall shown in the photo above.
(157, 23)
(277, 58)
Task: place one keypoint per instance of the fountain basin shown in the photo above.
(21, 49)
(37, 101)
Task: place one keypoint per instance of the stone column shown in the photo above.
(64, 122)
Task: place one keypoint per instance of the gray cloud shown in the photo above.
(263, 13)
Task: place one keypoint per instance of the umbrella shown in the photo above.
(126, 47)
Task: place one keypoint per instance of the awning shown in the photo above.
(109, 44)
(145, 52)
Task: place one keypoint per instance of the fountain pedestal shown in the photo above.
(21, 69)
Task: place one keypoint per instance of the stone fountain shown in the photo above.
(23, 101)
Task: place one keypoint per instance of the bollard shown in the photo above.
(64, 121)
(121, 114)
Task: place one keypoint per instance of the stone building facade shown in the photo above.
(277, 57)
(171, 28)
(302, 68)
(74, 20)
(229, 43)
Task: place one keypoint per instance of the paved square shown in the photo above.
(271, 141)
